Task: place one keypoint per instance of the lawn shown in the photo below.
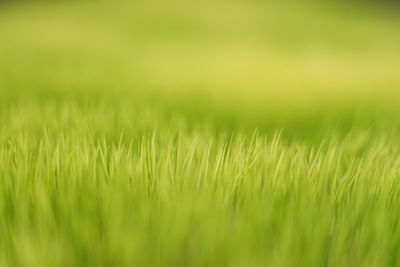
(216, 133)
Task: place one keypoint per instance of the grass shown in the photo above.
(216, 134)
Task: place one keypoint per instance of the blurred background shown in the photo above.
(304, 66)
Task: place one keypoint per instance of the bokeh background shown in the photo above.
(304, 67)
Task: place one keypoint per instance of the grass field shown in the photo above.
(216, 133)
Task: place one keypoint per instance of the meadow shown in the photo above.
(210, 133)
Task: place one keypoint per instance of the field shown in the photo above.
(216, 133)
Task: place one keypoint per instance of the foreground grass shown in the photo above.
(145, 134)
(103, 186)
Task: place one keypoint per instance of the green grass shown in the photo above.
(208, 134)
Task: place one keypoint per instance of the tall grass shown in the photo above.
(212, 134)
(96, 187)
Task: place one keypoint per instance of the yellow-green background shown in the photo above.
(199, 133)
